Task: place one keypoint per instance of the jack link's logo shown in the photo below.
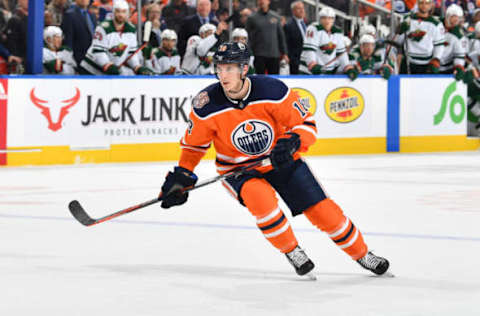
(253, 137)
(41, 104)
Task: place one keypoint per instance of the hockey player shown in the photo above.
(200, 49)
(453, 58)
(472, 78)
(422, 38)
(240, 35)
(165, 59)
(367, 62)
(248, 119)
(324, 49)
(57, 59)
(114, 41)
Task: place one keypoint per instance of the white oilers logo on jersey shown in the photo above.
(253, 137)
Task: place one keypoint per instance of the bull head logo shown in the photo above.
(41, 104)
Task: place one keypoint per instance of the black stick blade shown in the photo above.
(79, 213)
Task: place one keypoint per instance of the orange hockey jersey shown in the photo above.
(244, 130)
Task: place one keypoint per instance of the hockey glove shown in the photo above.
(468, 77)
(316, 70)
(282, 154)
(176, 181)
(144, 71)
(459, 72)
(111, 69)
(386, 72)
(434, 66)
(352, 73)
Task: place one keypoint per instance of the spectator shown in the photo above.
(95, 11)
(5, 53)
(134, 17)
(105, 9)
(17, 30)
(191, 24)
(213, 15)
(165, 59)
(267, 39)
(113, 47)
(78, 28)
(57, 59)
(56, 8)
(295, 35)
(175, 12)
(422, 52)
(47, 18)
(244, 15)
(222, 16)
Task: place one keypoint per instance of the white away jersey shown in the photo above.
(65, 55)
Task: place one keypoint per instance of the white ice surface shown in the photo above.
(208, 258)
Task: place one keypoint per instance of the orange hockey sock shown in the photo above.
(328, 216)
(260, 199)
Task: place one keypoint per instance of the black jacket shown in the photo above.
(76, 34)
(293, 36)
(17, 35)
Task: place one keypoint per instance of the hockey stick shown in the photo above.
(81, 215)
(146, 39)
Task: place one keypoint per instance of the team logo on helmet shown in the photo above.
(253, 137)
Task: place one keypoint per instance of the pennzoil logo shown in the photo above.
(306, 99)
(253, 137)
(344, 105)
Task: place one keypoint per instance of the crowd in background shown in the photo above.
(185, 32)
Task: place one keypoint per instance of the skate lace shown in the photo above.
(298, 257)
(370, 261)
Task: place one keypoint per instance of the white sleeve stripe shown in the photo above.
(193, 148)
(306, 128)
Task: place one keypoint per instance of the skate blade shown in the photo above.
(387, 274)
(310, 276)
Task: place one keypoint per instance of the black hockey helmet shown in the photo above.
(232, 53)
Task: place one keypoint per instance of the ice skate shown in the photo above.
(300, 261)
(376, 264)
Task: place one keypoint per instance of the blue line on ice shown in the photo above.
(239, 227)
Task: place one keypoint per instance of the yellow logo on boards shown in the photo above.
(344, 105)
(306, 99)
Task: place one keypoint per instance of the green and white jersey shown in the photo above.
(50, 57)
(321, 47)
(456, 45)
(110, 46)
(366, 66)
(474, 55)
(199, 55)
(163, 62)
(425, 38)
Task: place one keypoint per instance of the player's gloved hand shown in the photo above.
(282, 154)
(468, 77)
(316, 70)
(352, 73)
(459, 72)
(175, 181)
(434, 66)
(111, 69)
(144, 71)
(386, 71)
(404, 27)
